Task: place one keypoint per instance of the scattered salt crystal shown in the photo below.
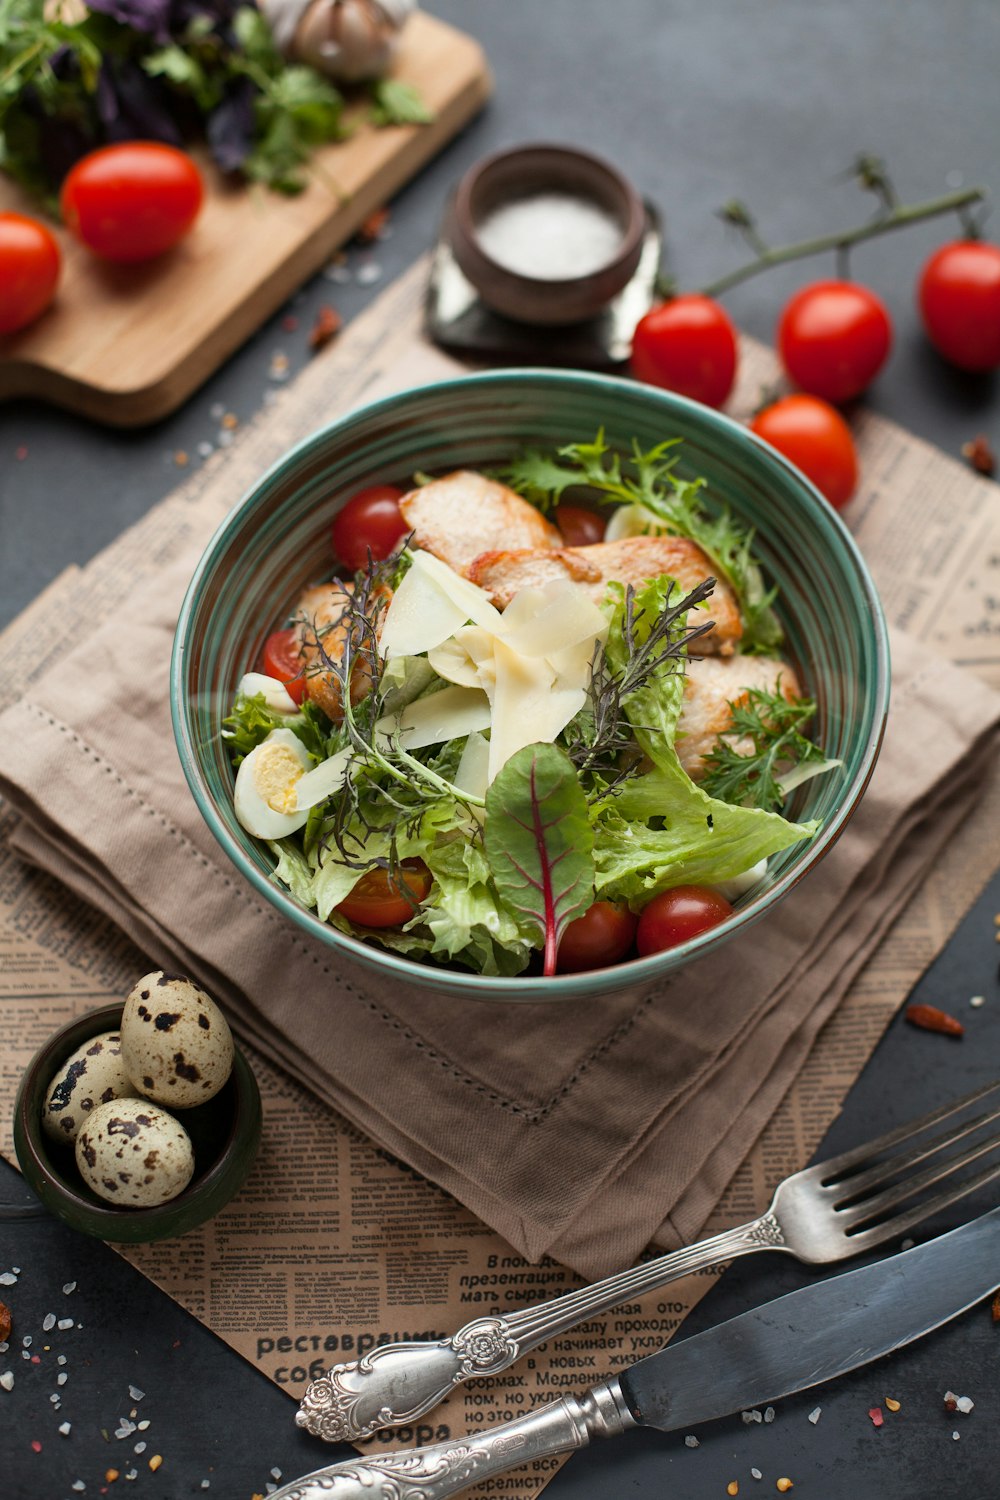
(205, 448)
(65, 1428)
(8, 1279)
(26, 1341)
(689, 1442)
(78, 1484)
(815, 1414)
(25, 1353)
(4, 1347)
(752, 1416)
(217, 411)
(276, 1473)
(61, 1378)
(340, 274)
(48, 1322)
(955, 1436)
(964, 1404)
(69, 1287)
(206, 1484)
(60, 1359)
(139, 1448)
(270, 1488)
(54, 1399)
(132, 1474)
(144, 1424)
(907, 1244)
(756, 1474)
(769, 1414)
(64, 1323)
(135, 1394)
(977, 1000)
(370, 272)
(224, 438)
(125, 1428)
(7, 1380)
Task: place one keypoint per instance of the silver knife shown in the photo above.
(787, 1345)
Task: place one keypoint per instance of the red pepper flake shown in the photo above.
(980, 456)
(325, 328)
(929, 1018)
(36, 1446)
(373, 228)
(6, 1322)
(36, 1359)
(21, 452)
(875, 1412)
(995, 1308)
(181, 458)
(289, 323)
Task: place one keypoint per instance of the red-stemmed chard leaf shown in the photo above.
(540, 844)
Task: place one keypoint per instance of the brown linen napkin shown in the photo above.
(577, 1130)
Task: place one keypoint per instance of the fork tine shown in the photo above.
(869, 1208)
(866, 1239)
(850, 1189)
(860, 1156)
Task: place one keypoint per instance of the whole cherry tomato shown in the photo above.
(132, 201)
(29, 270)
(674, 916)
(579, 527)
(371, 521)
(687, 345)
(833, 338)
(959, 296)
(602, 936)
(378, 901)
(815, 438)
(280, 658)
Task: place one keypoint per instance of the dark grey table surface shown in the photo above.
(698, 103)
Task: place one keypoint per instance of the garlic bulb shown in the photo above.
(348, 40)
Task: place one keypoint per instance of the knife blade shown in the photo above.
(790, 1344)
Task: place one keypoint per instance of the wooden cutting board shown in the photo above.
(127, 344)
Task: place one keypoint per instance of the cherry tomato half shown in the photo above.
(687, 345)
(132, 201)
(371, 521)
(833, 338)
(377, 901)
(578, 526)
(674, 916)
(959, 296)
(280, 658)
(602, 936)
(815, 438)
(29, 270)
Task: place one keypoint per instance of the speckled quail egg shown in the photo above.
(134, 1154)
(94, 1075)
(265, 797)
(176, 1042)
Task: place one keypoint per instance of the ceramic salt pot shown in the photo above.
(547, 234)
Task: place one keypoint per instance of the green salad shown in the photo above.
(548, 722)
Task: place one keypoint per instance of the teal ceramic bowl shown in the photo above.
(276, 541)
(225, 1133)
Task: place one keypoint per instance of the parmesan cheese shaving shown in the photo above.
(419, 618)
(322, 781)
(448, 715)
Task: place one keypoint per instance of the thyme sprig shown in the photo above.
(601, 741)
(774, 726)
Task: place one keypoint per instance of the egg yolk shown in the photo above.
(277, 771)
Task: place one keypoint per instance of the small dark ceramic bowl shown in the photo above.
(520, 174)
(225, 1133)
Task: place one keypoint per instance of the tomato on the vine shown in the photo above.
(578, 526)
(29, 270)
(687, 345)
(380, 901)
(674, 916)
(959, 295)
(280, 658)
(833, 338)
(602, 936)
(371, 521)
(815, 438)
(132, 201)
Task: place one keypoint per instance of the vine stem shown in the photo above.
(897, 218)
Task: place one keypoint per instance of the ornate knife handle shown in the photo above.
(447, 1468)
(399, 1382)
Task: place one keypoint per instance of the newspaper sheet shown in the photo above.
(334, 1247)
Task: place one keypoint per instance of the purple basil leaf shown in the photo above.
(230, 126)
(150, 16)
(133, 106)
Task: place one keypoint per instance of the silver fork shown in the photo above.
(840, 1207)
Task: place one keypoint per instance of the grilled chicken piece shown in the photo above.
(711, 686)
(464, 514)
(634, 560)
(320, 613)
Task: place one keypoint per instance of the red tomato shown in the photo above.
(687, 345)
(133, 201)
(579, 527)
(602, 936)
(677, 915)
(280, 658)
(959, 295)
(377, 901)
(815, 438)
(29, 270)
(833, 337)
(371, 521)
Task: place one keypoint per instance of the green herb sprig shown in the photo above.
(774, 726)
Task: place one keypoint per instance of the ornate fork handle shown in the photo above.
(397, 1383)
(445, 1469)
